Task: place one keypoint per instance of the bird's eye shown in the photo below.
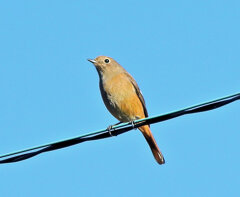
(106, 60)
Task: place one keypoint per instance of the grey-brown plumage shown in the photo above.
(123, 98)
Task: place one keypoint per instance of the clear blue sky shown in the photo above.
(181, 53)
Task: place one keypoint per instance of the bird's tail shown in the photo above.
(152, 143)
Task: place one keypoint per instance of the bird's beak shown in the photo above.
(92, 60)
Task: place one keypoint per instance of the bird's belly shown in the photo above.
(120, 109)
(122, 102)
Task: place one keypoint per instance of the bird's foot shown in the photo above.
(133, 124)
(110, 128)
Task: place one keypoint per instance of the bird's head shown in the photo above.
(106, 66)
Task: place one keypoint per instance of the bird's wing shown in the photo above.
(139, 93)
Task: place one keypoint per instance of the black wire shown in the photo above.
(120, 130)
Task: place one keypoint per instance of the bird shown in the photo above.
(123, 98)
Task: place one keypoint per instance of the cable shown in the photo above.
(115, 130)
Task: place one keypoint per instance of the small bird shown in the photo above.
(123, 98)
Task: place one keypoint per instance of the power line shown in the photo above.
(115, 130)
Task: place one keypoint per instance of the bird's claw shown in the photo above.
(109, 130)
(133, 124)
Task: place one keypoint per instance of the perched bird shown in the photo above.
(123, 98)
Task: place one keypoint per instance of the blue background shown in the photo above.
(181, 53)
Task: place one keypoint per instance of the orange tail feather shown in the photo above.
(152, 144)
